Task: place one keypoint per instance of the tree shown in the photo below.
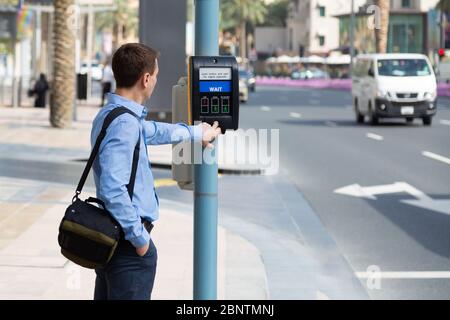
(277, 13)
(123, 21)
(63, 87)
(237, 13)
(443, 5)
(381, 33)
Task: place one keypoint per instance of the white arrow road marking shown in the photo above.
(422, 200)
(404, 275)
(445, 122)
(355, 190)
(374, 136)
(435, 156)
(265, 108)
(295, 115)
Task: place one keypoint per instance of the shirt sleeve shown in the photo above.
(157, 133)
(115, 159)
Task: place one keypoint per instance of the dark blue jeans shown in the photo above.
(127, 276)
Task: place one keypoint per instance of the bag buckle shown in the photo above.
(75, 197)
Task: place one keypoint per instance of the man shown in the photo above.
(131, 272)
(40, 90)
(107, 81)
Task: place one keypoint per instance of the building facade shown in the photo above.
(312, 25)
(413, 27)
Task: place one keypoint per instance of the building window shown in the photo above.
(406, 3)
(322, 11)
(321, 41)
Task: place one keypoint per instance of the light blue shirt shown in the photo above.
(112, 166)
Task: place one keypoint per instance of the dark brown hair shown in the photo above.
(131, 61)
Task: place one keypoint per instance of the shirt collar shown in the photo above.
(137, 108)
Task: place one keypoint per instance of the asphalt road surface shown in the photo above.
(359, 179)
(381, 192)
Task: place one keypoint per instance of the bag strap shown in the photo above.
(116, 112)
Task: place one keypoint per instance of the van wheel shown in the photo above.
(359, 116)
(427, 121)
(409, 120)
(372, 116)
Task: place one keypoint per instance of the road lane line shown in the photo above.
(265, 108)
(331, 123)
(436, 157)
(445, 122)
(404, 275)
(295, 115)
(374, 136)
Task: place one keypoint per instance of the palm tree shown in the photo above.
(63, 87)
(123, 21)
(381, 33)
(237, 13)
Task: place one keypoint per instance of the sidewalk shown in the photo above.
(31, 266)
(272, 245)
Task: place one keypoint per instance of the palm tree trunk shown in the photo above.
(243, 39)
(381, 33)
(115, 40)
(63, 88)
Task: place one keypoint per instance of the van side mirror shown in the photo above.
(371, 73)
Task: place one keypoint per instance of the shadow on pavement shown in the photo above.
(429, 228)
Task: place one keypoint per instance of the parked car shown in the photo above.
(394, 86)
(306, 74)
(243, 91)
(249, 79)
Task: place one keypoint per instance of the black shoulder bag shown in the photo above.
(88, 234)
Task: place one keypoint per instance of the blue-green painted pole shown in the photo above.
(205, 175)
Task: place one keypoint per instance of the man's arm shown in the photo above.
(116, 157)
(157, 133)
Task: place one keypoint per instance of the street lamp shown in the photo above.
(352, 33)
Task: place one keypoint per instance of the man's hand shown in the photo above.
(142, 250)
(210, 133)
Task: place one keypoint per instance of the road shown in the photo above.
(322, 150)
(356, 178)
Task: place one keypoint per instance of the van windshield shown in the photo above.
(403, 68)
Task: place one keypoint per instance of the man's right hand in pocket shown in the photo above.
(142, 250)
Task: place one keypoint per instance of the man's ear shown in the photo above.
(145, 80)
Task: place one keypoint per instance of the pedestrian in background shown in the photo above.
(40, 91)
(107, 81)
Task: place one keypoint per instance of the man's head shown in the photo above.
(135, 68)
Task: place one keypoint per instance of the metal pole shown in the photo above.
(352, 34)
(89, 47)
(205, 175)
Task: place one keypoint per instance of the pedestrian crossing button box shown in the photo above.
(214, 90)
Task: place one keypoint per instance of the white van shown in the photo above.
(394, 86)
